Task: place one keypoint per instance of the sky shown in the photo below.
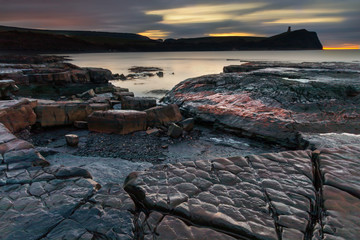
(336, 22)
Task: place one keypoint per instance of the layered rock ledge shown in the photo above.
(275, 102)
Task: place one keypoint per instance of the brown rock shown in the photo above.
(163, 115)
(187, 124)
(17, 114)
(174, 131)
(138, 103)
(65, 113)
(72, 140)
(117, 121)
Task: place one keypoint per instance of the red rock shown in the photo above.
(117, 121)
(163, 115)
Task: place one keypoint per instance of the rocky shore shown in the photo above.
(262, 151)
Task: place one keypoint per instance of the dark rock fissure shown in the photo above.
(272, 210)
(81, 203)
(317, 209)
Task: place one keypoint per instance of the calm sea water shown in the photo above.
(179, 66)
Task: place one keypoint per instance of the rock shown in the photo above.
(65, 113)
(105, 89)
(117, 121)
(187, 124)
(174, 131)
(274, 103)
(160, 74)
(7, 88)
(99, 75)
(121, 95)
(122, 77)
(72, 140)
(153, 131)
(117, 106)
(88, 94)
(163, 115)
(137, 69)
(17, 114)
(137, 103)
(81, 124)
(70, 172)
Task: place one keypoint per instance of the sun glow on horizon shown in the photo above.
(154, 34)
(234, 34)
(345, 46)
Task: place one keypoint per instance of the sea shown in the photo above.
(178, 66)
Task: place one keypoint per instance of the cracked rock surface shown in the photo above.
(38, 201)
(287, 195)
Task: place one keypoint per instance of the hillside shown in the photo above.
(22, 39)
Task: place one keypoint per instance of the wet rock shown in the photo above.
(174, 131)
(17, 114)
(163, 115)
(72, 140)
(81, 124)
(187, 124)
(137, 103)
(117, 121)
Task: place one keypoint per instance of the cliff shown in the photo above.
(21, 39)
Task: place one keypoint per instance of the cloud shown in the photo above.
(202, 13)
(335, 21)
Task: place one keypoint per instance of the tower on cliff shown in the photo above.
(289, 29)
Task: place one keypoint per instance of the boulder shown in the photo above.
(72, 140)
(187, 124)
(160, 74)
(174, 131)
(7, 88)
(117, 121)
(17, 114)
(163, 115)
(99, 75)
(137, 103)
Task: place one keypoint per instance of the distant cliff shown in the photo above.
(22, 39)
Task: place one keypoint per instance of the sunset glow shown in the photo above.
(343, 47)
(155, 34)
(234, 34)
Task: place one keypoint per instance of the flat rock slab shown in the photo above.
(258, 197)
(137, 103)
(275, 102)
(117, 121)
(17, 114)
